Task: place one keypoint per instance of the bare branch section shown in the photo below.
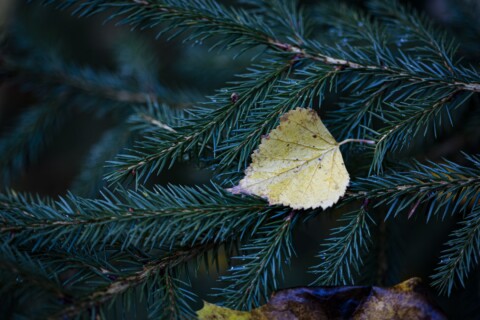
(157, 123)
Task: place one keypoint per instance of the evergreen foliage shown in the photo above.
(118, 245)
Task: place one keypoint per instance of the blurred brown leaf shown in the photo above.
(405, 301)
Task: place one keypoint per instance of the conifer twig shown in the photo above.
(328, 60)
(461, 254)
(341, 256)
(122, 284)
(260, 259)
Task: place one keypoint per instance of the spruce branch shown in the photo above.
(155, 117)
(206, 17)
(415, 27)
(461, 254)
(444, 187)
(342, 253)
(204, 125)
(398, 78)
(356, 113)
(379, 46)
(402, 105)
(405, 121)
(251, 280)
(287, 17)
(173, 297)
(144, 120)
(148, 219)
(11, 200)
(404, 68)
(121, 285)
(357, 29)
(249, 30)
(63, 276)
(393, 66)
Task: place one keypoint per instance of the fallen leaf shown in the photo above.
(406, 301)
(298, 164)
(211, 311)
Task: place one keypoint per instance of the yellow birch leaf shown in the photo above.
(298, 164)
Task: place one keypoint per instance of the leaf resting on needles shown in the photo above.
(298, 164)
